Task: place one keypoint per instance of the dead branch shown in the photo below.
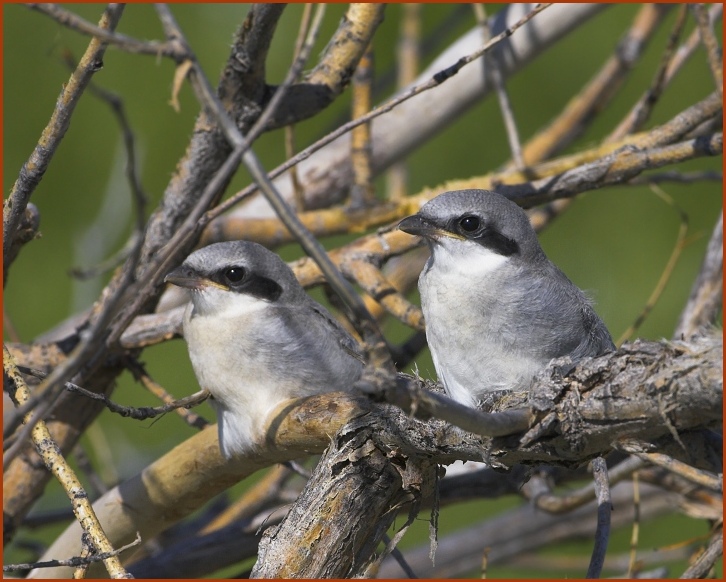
(326, 171)
(54, 461)
(644, 389)
(707, 559)
(706, 298)
(518, 531)
(33, 170)
(604, 509)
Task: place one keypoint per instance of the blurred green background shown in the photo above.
(612, 242)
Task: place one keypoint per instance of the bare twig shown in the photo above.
(701, 567)
(140, 375)
(136, 413)
(604, 509)
(407, 62)
(361, 192)
(511, 534)
(710, 42)
(495, 74)
(299, 195)
(582, 109)
(33, 170)
(697, 476)
(686, 50)
(635, 534)
(75, 561)
(667, 270)
(640, 112)
(678, 177)
(53, 459)
(105, 308)
(706, 296)
(108, 36)
(544, 499)
(437, 79)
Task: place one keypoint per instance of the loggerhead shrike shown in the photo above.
(497, 309)
(255, 338)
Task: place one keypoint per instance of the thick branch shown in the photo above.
(643, 390)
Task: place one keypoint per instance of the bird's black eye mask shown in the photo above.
(241, 280)
(474, 228)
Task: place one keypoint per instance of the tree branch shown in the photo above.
(33, 170)
(644, 389)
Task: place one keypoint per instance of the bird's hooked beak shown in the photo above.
(418, 225)
(189, 279)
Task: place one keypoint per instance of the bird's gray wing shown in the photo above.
(331, 325)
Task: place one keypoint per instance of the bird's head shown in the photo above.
(235, 275)
(475, 226)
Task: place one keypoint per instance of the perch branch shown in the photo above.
(623, 394)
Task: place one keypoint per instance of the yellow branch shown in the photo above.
(53, 458)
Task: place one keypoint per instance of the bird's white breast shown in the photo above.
(468, 348)
(227, 360)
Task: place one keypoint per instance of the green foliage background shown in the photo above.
(612, 242)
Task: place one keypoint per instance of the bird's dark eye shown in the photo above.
(234, 274)
(469, 223)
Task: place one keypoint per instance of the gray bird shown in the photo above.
(497, 309)
(255, 338)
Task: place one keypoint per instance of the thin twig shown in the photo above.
(678, 177)
(126, 43)
(697, 476)
(604, 510)
(56, 463)
(641, 111)
(105, 308)
(437, 79)
(75, 561)
(706, 561)
(582, 110)
(495, 74)
(545, 500)
(34, 169)
(635, 534)
(407, 66)
(361, 191)
(706, 298)
(140, 375)
(667, 270)
(686, 50)
(298, 193)
(710, 42)
(132, 176)
(136, 413)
